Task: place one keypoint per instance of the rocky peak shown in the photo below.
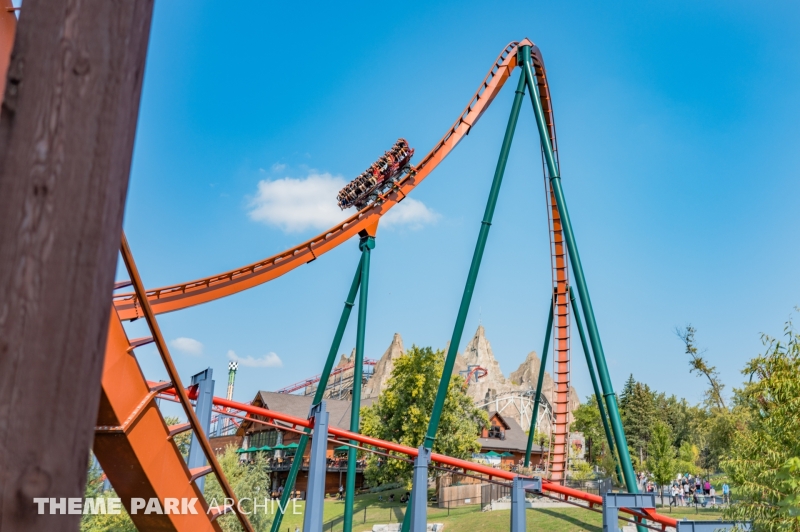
(384, 367)
(479, 353)
(527, 375)
(460, 364)
(345, 360)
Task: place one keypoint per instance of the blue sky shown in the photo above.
(678, 129)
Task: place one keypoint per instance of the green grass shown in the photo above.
(369, 511)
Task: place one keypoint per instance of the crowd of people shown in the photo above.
(689, 490)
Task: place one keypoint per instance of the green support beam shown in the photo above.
(366, 244)
(474, 267)
(539, 382)
(580, 280)
(595, 386)
(318, 396)
(466, 298)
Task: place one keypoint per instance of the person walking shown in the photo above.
(712, 493)
(341, 492)
(726, 493)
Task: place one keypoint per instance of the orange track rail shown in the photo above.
(156, 466)
(180, 296)
(558, 459)
(561, 321)
(134, 445)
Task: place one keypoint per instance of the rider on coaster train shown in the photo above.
(382, 172)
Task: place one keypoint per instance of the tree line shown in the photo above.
(752, 437)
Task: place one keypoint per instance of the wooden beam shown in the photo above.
(66, 138)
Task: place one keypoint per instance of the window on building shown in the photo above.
(264, 437)
(497, 432)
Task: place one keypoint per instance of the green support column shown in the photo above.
(580, 280)
(595, 386)
(475, 266)
(469, 287)
(318, 396)
(367, 244)
(538, 396)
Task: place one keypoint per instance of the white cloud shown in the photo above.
(190, 346)
(410, 212)
(270, 360)
(278, 167)
(295, 205)
(298, 204)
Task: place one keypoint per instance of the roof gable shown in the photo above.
(300, 406)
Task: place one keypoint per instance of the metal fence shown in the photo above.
(493, 492)
(597, 487)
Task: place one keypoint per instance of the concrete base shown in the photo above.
(395, 527)
(530, 504)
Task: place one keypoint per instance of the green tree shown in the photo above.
(700, 365)
(609, 463)
(661, 456)
(717, 435)
(120, 522)
(678, 414)
(639, 415)
(627, 392)
(402, 412)
(764, 461)
(183, 440)
(688, 455)
(580, 470)
(587, 420)
(248, 480)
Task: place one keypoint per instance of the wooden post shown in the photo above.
(66, 138)
(8, 27)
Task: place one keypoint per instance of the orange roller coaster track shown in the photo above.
(180, 296)
(126, 394)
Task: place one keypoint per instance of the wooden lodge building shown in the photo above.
(504, 437)
(507, 439)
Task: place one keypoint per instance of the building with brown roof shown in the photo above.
(506, 438)
(252, 434)
(503, 436)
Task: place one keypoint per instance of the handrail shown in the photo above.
(458, 463)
